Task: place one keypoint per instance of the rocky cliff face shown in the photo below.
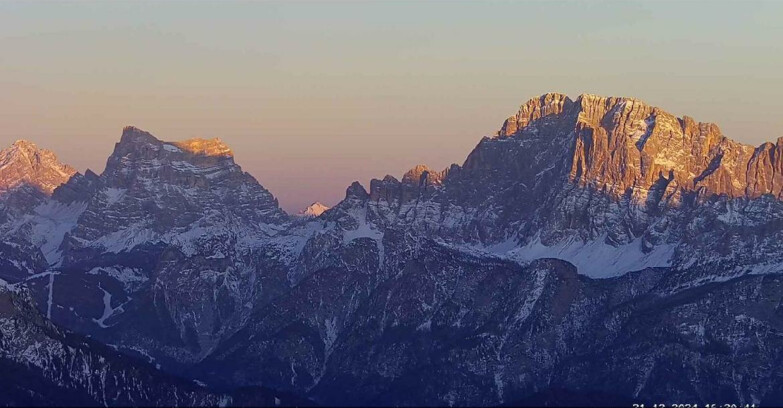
(24, 164)
(44, 365)
(28, 177)
(157, 190)
(612, 172)
(123, 255)
(167, 234)
(584, 235)
(625, 147)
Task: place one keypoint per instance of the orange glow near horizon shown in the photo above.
(312, 96)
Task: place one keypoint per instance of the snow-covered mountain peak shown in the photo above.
(313, 210)
(157, 191)
(20, 150)
(24, 163)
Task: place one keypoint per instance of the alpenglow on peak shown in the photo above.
(627, 146)
(24, 163)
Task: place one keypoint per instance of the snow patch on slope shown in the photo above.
(365, 230)
(171, 148)
(597, 259)
(108, 311)
(131, 278)
(50, 222)
(113, 195)
(126, 239)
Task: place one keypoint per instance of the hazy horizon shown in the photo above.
(313, 96)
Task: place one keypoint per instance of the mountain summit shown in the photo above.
(313, 210)
(159, 190)
(595, 246)
(24, 163)
(626, 146)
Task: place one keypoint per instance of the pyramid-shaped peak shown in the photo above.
(24, 163)
(313, 210)
(29, 150)
(24, 148)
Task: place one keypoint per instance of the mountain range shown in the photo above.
(595, 249)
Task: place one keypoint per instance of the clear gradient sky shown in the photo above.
(314, 95)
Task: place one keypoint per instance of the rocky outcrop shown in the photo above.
(416, 182)
(622, 145)
(167, 231)
(24, 164)
(29, 176)
(44, 365)
(421, 175)
(159, 188)
(535, 109)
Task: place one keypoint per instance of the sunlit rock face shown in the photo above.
(623, 145)
(24, 164)
(586, 234)
(611, 175)
(313, 210)
(28, 176)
